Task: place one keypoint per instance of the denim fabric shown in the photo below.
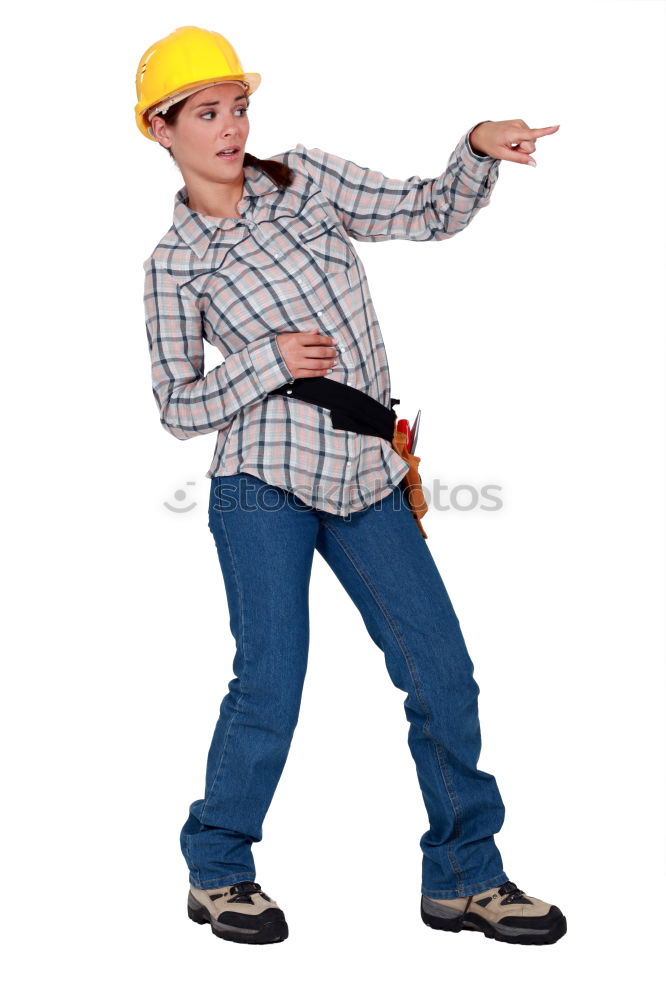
(265, 538)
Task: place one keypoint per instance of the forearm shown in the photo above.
(189, 406)
(374, 207)
(468, 183)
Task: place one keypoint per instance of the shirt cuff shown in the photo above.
(472, 158)
(269, 366)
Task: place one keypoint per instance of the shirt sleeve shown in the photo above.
(374, 207)
(190, 402)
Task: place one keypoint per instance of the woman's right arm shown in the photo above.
(190, 402)
(374, 207)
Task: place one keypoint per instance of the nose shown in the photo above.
(230, 130)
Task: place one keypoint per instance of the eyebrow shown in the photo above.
(206, 104)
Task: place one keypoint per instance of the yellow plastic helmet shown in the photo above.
(187, 60)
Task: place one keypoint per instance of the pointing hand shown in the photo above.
(510, 140)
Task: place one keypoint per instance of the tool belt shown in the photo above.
(353, 410)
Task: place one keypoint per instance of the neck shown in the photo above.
(215, 198)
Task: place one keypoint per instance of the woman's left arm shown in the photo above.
(374, 207)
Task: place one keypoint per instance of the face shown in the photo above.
(210, 120)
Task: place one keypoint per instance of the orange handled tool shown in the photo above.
(402, 426)
(411, 432)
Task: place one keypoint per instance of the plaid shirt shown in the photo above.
(288, 264)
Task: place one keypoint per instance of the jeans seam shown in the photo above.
(236, 875)
(469, 890)
(188, 858)
(242, 643)
(441, 761)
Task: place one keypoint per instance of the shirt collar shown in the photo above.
(197, 230)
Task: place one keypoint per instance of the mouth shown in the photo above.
(228, 153)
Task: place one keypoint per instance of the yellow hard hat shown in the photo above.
(187, 60)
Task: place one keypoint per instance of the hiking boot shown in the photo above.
(504, 913)
(240, 912)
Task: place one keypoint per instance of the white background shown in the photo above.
(533, 343)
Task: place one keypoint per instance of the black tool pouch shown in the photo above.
(351, 409)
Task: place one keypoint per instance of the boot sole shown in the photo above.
(269, 933)
(451, 920)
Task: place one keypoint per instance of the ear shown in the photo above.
(160, 131)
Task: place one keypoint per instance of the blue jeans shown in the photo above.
(265, 538)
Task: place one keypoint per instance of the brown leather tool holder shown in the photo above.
(411, 484)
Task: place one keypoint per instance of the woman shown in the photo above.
(258, 261)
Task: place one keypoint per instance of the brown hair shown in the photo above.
(280, 173)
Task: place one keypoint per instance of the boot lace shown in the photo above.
(512, 892)
(242, 891)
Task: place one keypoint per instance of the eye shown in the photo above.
(242, 108)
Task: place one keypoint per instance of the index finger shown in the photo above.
(536, 133)
(312, 337)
